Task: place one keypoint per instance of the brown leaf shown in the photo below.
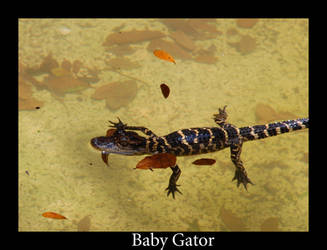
(84, 224)
(122, 63)
(204, 161)
(116, 94)
(270, 225)
(184, 40)
(162, 160)
(246, 45)
(231, 221)
(121, 49)
(179, 24)
(210, 59)
(111, 131)
(29, 104)
(76, 66)
(265, 114)
(203, 25)
(65, 64)
(26, 101)
(65, 84)
(165, 90)
(246, 22)
(48, 63)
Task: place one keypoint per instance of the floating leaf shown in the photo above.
(111, 131)
(204, 161)
(162, 160)
(165, 90)
(163, 55)
(172, 47)
(53, 215)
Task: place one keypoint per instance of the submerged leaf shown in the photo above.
(270, 225)
(231, 221)
(117, 94)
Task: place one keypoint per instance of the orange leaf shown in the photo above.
(163, 55)
(204, 161)
(53, 215)
(163, 160)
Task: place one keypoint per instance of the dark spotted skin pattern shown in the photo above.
(209, 139)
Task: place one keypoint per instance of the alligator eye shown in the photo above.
(123, 141)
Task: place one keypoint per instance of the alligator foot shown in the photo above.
(172, 189)
(241, 177)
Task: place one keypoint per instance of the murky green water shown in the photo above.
(60, 172)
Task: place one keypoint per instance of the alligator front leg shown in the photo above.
(144, 130)
(123, 126)
(172, 186)
(240, 172)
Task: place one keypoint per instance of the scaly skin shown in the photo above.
(193, 141)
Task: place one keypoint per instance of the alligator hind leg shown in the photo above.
(172, 187)
(240, 172)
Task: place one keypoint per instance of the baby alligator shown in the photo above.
(193, 141)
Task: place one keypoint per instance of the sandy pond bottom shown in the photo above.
(60, 172)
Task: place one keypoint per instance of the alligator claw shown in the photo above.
(221, 117)
(241, 177)
(172, 189)
(104, 156)
(118, 125)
